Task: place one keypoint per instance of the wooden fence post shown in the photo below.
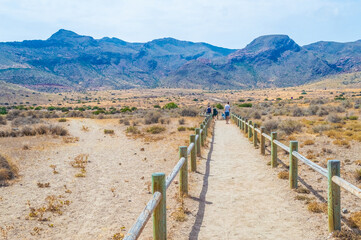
(246, 126)
(293, 171)
(183, 173)
(263, 142)
(240, 123)
(193, 153)
(249, 130)
(273, 150)
(334, 199)
(159, 214)
(202, 138)
(198, 148)
(241, 127)
(254, 135)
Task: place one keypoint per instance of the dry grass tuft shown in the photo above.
(132, 130)
(283, 175)
(85, 128)
(355, 220)
(309, 142)
(303, 198)
(156, 129)
(346, 235)
(316, 207)
(8, 170)
(109, 131)
(80, 161)
(302, 190)
(43, 185)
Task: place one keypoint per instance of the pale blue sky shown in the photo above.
(226, 23)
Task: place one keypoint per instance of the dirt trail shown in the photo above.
(244, 200)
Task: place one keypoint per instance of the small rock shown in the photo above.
(175, 182)
(135, 153)
(142, 149)
(344, 210)
(142, 178)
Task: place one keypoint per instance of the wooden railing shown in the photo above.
(332, 172)
(160, 184)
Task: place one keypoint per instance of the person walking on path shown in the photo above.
(209, 110)
(215, 114)
(227, 111)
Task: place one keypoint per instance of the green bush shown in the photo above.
(353, 117)
(245, 105)
(170, 105)
(3, 111)
(219, 106)
(51, 108)
(156, 106)
(62, 120)
(241, 100)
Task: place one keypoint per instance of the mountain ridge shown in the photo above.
(72, 61)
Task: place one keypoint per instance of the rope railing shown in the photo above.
(157, 205)
(332, 173)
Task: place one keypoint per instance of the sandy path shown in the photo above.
(244, 200)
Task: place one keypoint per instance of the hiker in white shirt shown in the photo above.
(227, 110)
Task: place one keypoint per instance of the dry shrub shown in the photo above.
(302, 190)
(43, 185)
(355, 220)
(69, 139)
(189, 112)
(85, 129)
(357, 174)
(320, 128)
(283, 175)
(316, 207)
(132, 130)
(152, 117)
(42, 130)
(62, 120)
(8, 170)
(179, 215)
(2, 120)
(344, 143)
(182, 121)
(27, 131)
(345, 234)
(21, 121)
(303, 198)
(290, 126)
(54, 204)
(309, 142)
(181, 129)
(126, 122)
(156, 129)
(108, 131)
(271, 125)
(58, 130)
(334, 118)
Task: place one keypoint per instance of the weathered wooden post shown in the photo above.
(242, 124)
(293, 171)
(159, 214)
(246, 126)
(334, 198)
(254, 135)
(193, 153)
(183, 174)
(263, 142)
(202, 134)
(273, 150)
(198, 148)
(249, 130)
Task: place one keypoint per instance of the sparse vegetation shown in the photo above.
(108, 131)
(316, 207)
(8, 170)
(156, 129)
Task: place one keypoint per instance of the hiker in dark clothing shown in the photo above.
(215, 114)
(209, 110)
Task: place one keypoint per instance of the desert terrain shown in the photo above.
(79, 165)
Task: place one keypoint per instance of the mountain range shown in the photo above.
(68, 61)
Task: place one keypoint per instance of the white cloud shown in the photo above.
(229, 23)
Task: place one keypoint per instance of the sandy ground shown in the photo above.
(243, 199)
(105, 202)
